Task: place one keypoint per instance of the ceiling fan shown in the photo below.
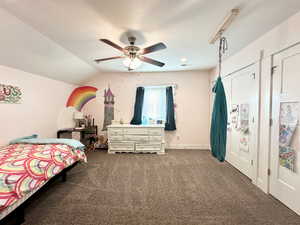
(133, 55)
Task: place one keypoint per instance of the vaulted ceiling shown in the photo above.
(59, 38)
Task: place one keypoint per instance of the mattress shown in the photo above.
(19, 202)
(25, 168)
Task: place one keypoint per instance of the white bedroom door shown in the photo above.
(243, 118)
(285, 138)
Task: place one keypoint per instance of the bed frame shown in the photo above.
(17, 215)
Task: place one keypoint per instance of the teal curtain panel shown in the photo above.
(170, 120)
(138, 106)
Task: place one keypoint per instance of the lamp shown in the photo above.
(78, 116)
(132, 63)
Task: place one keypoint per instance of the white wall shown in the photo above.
(192, 99)
(42, 110)
(261, 51)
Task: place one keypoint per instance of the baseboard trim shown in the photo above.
(262, 185)
(188, 146)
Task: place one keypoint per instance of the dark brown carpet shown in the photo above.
(183, 187)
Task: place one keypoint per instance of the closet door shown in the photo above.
(243, 118)
(285, 138)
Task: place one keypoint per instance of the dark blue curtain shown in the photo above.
(138, 106)
(170, 120)
(218, 131)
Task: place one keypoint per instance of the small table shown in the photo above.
(85, 134)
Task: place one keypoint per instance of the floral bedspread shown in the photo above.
(25, 167)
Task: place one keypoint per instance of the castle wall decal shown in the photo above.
(108, 108)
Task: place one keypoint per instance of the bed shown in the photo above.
(27, 165)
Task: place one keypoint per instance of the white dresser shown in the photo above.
(136, 138)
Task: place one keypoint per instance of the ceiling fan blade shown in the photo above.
(151, 61)
(154, 48)
(112, 44)
(105, 59)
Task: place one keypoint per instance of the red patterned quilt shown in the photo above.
(25, 167)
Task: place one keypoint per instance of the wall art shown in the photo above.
(244, 142)
(10, 94)
(80, 96)
(288, 122)
(234, 115)
(108, 108)
(244, 118)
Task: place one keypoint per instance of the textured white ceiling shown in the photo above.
(59, 38)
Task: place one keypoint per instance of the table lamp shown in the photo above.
(78, 116)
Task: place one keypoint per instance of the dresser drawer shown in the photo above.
(138, 131)
(121, 146)
(115, 131)
(155, 138)
(147, 147)
(139, 138)
(115, 138)
(155, 131)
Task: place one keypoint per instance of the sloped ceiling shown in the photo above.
(59, 38)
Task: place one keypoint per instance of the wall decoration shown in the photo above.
(10, 94)
(286, 133)
(234, 115)
(108, 108)
(244, 127)
(287, 157)
(244, 118)
(244, 142)
(289, 113)
(288, 121)
(80, 96)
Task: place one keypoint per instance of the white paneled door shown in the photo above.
(285, 138)
(242, 93)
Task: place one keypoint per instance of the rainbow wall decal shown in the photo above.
(80, 96)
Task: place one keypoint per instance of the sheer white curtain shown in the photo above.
(154, 106)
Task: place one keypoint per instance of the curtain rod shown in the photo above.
(157, 85)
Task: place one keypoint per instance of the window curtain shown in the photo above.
(170, 118)
(218, 130)
(138, 106)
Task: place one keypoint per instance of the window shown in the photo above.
(154, 107)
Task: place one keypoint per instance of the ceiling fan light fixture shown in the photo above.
(134, 56)
(132, 63)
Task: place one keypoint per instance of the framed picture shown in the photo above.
(10, 94)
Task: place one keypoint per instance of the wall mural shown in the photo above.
(10, 94)
(108, 108)
(80, 96)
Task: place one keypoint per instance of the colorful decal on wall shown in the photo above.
(288, 122)
(80, 96)
(10, 94)
(108, 108)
